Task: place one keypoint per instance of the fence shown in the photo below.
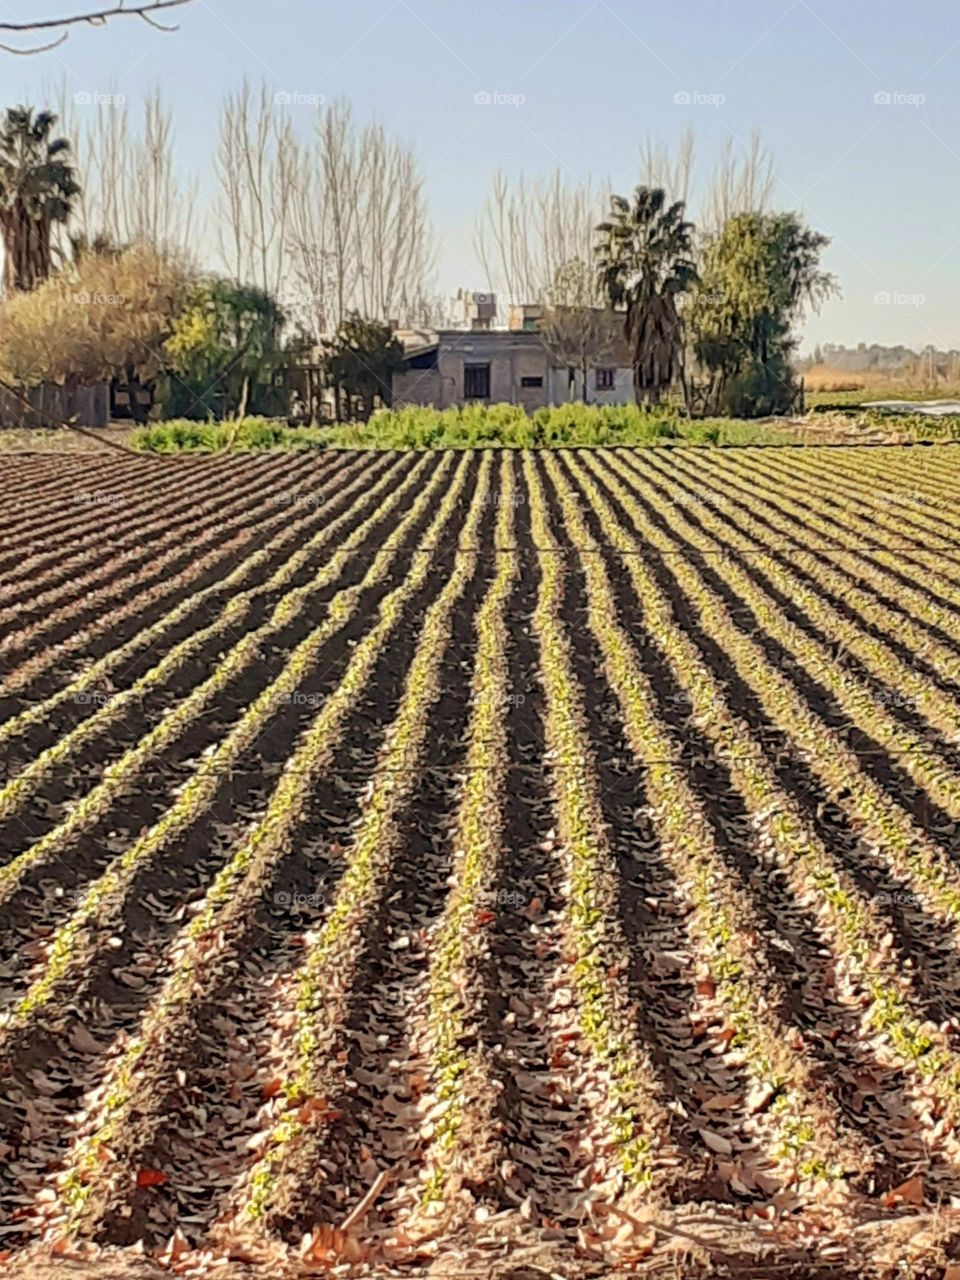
(50, 405)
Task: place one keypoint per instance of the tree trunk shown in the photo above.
(244, 398)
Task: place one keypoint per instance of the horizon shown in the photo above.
(865, 127)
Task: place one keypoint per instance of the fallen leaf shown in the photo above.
(151, 1178)
(909, 1192)
(716, 1142)
(83, 1041)
(317, 1107)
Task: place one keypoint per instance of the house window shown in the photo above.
(531, 382)
(606, 379)
(476, 382)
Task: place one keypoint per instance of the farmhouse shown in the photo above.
(532, 361)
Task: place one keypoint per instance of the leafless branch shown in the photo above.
(146, 10)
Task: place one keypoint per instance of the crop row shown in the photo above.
(902, 841)
(851, 921)
(724, 930)
(136, 538)
(81, 643)
(85, 688)
(196, 794)
(325, 978)
(227, 905)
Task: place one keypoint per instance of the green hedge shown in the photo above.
(249, 436)
(470, 427)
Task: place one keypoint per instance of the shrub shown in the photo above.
(248, 436)
(471, 427)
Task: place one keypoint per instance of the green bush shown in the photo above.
(471, 427)
(250, 435)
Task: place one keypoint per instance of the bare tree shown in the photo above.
(96, 17)
(672, 173)
(255, 164)
(741, 183)
(131, 188)
(360, 233)
(578, 334)
(527, 234)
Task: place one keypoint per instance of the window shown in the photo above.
(476, 382)
(606, 379)
(531, 382)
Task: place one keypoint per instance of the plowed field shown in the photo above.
(481, 863)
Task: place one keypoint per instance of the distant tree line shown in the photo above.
(710, 308)
(326, 247)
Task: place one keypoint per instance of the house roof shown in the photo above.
(416, 342)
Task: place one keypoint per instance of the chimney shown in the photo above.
(481, 311)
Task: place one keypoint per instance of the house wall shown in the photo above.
(561, 392)
(417, 386)
(512, 356)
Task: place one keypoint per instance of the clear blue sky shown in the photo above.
(597, 76)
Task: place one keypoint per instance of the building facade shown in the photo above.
(515, 365)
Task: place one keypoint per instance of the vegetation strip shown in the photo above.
(476, 845)
(45, 579)
(196, 795)
(859, 935)
(883, 570)
(723, 928)
(240, 883)
(99, 673)
(908, 848)
(86, 596)
(324, 981)
(121, 772)
(900, 677)
(913, 750)
(634, 1118)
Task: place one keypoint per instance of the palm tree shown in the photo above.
(38, 187)
(644, 262)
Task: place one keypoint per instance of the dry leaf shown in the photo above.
(909, 1192)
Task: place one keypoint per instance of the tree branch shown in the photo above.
(144, 9)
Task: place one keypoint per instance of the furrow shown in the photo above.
(120, 775)
(49, 567)
(278, 1189)
(54, 615)
(806, 1141)
(459, 1072)
(139, 1080)
(34, 522)
(913, 749)
(108, 674)
(113, 627)
(805, 520)
(632, 1121)
(864, 948)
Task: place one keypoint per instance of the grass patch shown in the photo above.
(251, 435)
(471, 427)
